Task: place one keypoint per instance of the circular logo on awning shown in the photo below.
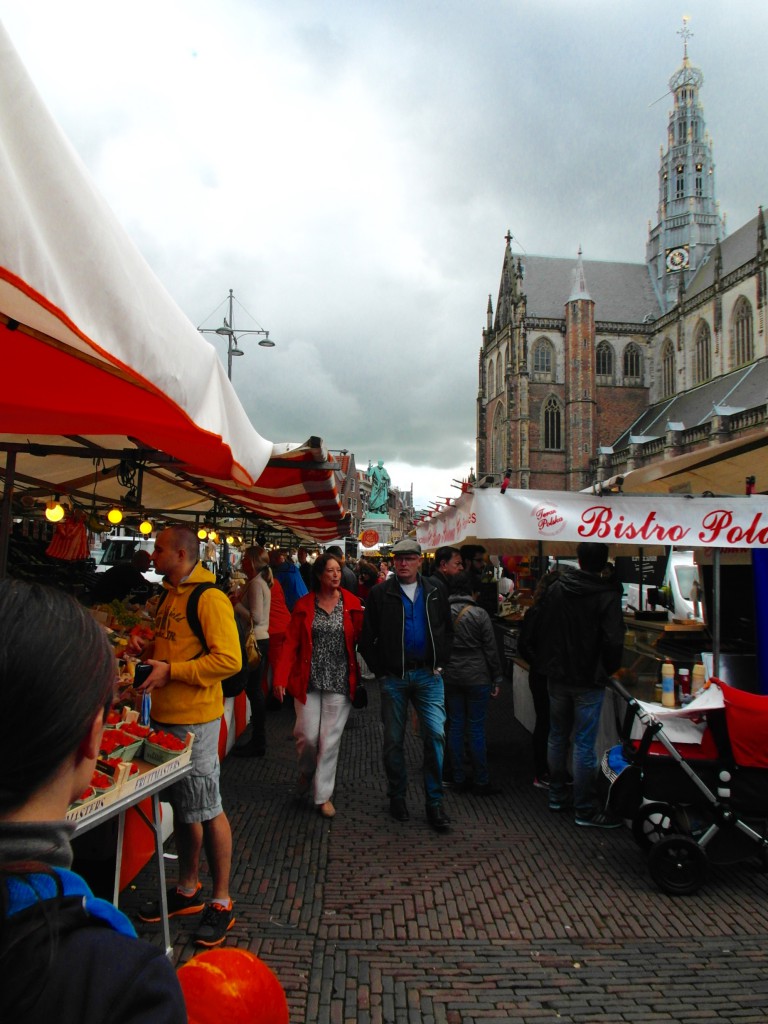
(549, 520)
(369, 538)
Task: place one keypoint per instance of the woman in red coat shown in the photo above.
(318, 666)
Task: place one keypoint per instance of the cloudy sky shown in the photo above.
(350, 168)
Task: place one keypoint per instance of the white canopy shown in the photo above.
(515, 522)
(98, 357)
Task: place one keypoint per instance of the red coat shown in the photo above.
(295, 660)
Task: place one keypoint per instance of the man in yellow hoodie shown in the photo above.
(185, 684)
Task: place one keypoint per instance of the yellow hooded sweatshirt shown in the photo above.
(194, 693)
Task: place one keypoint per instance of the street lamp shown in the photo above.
(227, 330)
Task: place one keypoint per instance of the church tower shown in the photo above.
(688, 224)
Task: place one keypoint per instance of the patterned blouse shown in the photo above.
(329, 671)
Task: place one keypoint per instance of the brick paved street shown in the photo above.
(515, 915)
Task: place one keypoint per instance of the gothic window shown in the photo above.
(498, 448)
(491, 379)
(682, 132)
(542, 360)
(702, 359)
(604, 363)
(552, 418)
(743, 344)
(695, 129)
(633, 365)
(667, 369)
(680, 184)
(500, 373)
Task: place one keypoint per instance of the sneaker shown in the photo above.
(541, 781)
(598, 820)
(214, 926)
(178, 905)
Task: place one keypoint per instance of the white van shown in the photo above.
(120, 546)
(678, 592)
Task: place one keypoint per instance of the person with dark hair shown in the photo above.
(367, 578)
(472, 675)
(253, 610)
(348, 578)
(64, 954)
(318, 667)
(185, 684)
(448, 564)
(473, 558)
(305, 566)
(124, 579)
(406, 642)
(581, 640)
(527, 644)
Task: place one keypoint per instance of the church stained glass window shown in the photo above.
(552, 424)
(743, 341)
(702, 357)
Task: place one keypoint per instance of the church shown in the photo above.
(590, 370)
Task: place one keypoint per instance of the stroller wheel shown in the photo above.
(654, 822)
(678, 865)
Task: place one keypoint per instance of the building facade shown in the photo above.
(584, 364)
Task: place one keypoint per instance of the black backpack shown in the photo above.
(233, 685)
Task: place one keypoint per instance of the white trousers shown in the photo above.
(318, 730)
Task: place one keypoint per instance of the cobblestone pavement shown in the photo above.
(514, 915)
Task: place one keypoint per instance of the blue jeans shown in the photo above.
(467, 710)
(425, 692)
(576, 710)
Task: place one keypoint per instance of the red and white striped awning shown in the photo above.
(97, 356)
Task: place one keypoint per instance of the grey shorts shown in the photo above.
(196, 797)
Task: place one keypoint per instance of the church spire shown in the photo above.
(688, 224)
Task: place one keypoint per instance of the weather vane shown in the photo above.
(685, 34)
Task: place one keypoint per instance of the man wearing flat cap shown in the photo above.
(406, 641)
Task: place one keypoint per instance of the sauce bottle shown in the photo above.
(668, 684)
(697, 682)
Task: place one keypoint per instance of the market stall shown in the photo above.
(554, 522)
(110, 395)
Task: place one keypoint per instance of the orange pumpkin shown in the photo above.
(232, 985)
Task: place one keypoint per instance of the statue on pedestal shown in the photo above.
(379, 478)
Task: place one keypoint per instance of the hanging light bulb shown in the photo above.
(115, 515)
(230, 539)
(145, 527)
(202, 533)
(54, 511)
(213, 536)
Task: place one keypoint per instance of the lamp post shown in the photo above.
(227, 330)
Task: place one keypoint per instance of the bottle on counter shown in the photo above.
(684, 681)
(697, 680)
(668, 684)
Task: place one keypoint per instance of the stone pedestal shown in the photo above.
(382, 524)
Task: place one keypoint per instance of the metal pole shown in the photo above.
(230, 339)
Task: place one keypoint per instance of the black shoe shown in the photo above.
(437, 817)
(250, 749)
(398, 809)
(487, 789)
(179, 905)
(214, 926)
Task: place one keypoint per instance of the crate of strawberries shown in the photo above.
(161, 746)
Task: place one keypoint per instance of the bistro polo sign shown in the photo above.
(489, 515)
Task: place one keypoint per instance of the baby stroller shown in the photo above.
(694, 781)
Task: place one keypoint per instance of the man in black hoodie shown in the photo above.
(580, 644)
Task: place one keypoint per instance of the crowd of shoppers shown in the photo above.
(426, 639)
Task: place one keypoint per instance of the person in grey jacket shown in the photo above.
(472, 677)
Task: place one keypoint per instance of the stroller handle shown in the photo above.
(621, 690)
